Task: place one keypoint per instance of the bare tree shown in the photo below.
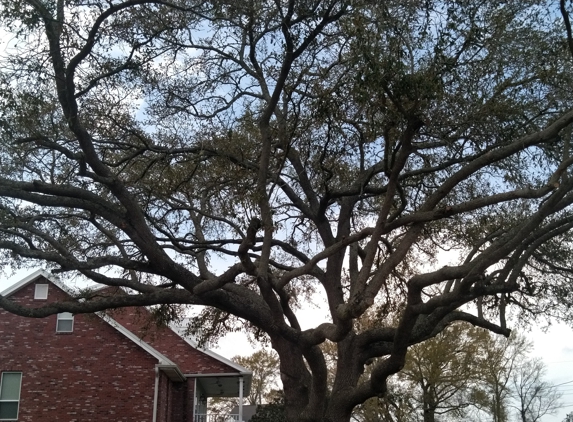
(535, 398)
(501, 360)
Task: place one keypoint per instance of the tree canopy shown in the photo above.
(247, 156)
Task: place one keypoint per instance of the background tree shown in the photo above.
(397, 405)
(247, 156)
(463, 369)
(501, 360)
(535, 398)
(265, 367)
(264, 388)
(445, 369)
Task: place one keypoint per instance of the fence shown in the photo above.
(217, 417)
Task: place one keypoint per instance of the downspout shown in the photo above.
(156, 394)
(195, 400)
(241, 399)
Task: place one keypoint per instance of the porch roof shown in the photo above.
(223, 385)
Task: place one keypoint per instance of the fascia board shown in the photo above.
(235, 365)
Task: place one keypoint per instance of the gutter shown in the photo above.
(194, 398)
(224, 374)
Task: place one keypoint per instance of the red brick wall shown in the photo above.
(92, 374)
(175, 402)
(164, 397)
(178, 405)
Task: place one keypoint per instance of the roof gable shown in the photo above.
(181, 332)
(31, 278)
(162, 359)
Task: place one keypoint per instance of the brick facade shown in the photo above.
(95, 373)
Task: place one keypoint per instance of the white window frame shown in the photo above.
(64, 316)
(19, 394)
(41, 292)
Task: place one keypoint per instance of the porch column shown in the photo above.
(241, 399)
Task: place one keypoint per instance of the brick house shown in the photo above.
(99, 367)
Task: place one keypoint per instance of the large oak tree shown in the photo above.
(249, 155)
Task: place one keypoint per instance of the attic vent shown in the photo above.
(41, 291)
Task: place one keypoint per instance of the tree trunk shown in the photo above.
(295, 379)
(429, 406)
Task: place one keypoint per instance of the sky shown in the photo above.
(554, 346)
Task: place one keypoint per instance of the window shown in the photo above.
(41, 291)
(65, 323)
(10, 384)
